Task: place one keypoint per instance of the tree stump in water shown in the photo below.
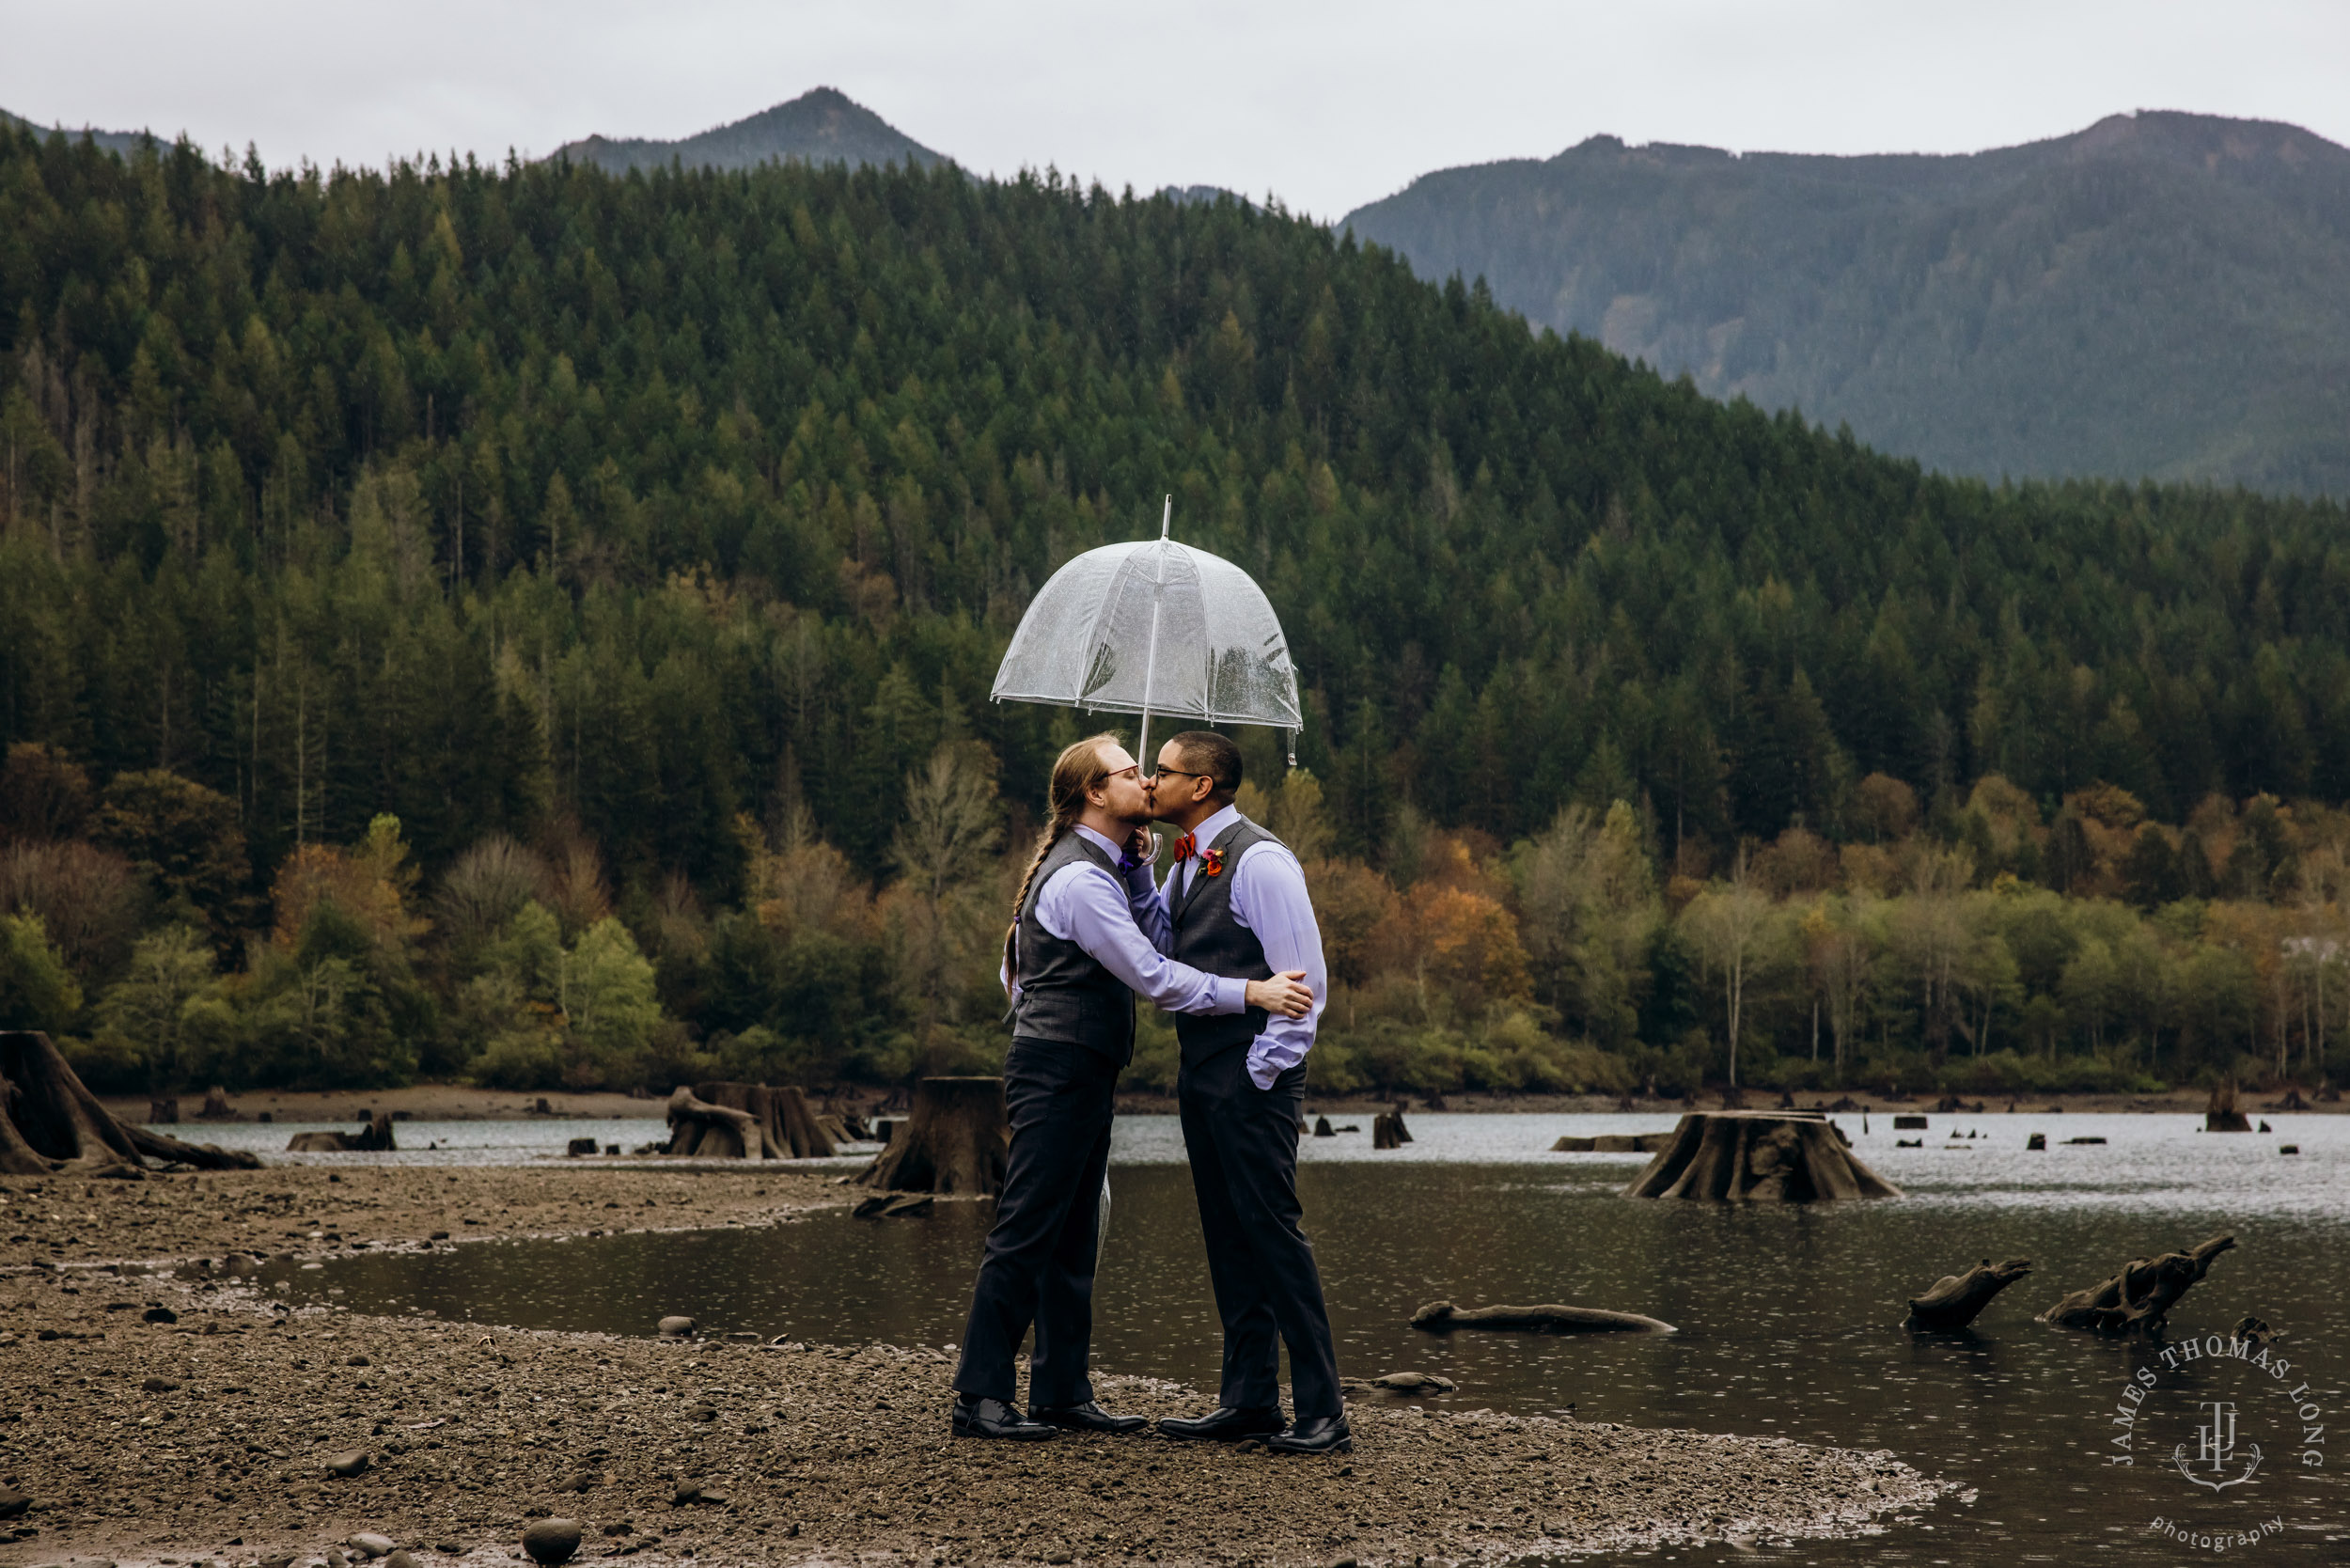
(2220, 1115)
(375, 1138)
(50, 1121)
(217, 1108)
(745, 1122)
(1758, 1157)
(955, 1139)
(2135, 1300)
(1389, 1132)
(1442, 1317)
(1957, 1299)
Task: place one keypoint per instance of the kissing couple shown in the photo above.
(1228, 944)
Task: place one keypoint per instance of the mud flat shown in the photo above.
(152, 1418)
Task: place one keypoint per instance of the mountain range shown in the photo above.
(2159, 295)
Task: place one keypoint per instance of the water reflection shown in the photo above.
(1789, 1315)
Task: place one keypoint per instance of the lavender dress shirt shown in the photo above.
(1269, 898)
(1124, 927)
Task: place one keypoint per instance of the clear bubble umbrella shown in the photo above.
(1154, 627)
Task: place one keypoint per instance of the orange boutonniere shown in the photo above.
(1211, 863)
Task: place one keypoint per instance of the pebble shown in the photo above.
(160, 1386)
(551, 1541)
(369, 1544)
(584, 1482)
(351, 1464)
(675, 1328)
(400, 1559)
(160, 1314)
(12, 1502)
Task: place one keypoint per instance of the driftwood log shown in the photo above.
(375, 1138)
(1612, 1143)
(1957, 1299)
(1442, 1317)
(955, 1141)
(2134, 1301)
(50, 1121)
(2219, 1113)
(745, 1122)
(1401, 1384)
(1758, 1157)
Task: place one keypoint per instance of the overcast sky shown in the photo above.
(1326, 104)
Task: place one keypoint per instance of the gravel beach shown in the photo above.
(151, 1418)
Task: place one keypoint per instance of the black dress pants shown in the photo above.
(1040, 1259)
(1242, 1144)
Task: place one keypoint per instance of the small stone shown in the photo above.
(401, 1559)
(705, 1413)
(449, 1548)
(356, 1361)
(160, 1386)
(687, 1493)
(12, 1502)
(551, 1541)
(369, 1544)
(160, 1314)
(439, 1236)
(584, 1482)
(675, 1328)
(354, 1462)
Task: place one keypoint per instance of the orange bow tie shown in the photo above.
(1185, 847)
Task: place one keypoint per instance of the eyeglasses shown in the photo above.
(1180, 773)
(1135, 768)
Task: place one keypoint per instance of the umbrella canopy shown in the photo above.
(1154, 627)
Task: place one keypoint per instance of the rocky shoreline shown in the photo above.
(184, 1418)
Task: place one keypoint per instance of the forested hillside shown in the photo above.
(2164, 295)
(537, 623)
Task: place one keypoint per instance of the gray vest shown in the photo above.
(1065, 993)
(1208, 938)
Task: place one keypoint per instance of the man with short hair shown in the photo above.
(1237, 904)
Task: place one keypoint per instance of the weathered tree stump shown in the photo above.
(1957, 1299)
(2220, 1115)
(2134, 1301)
(1442, 1317)
(162, 1110)
(955, 1139)
(1387, 1130)
(1758, 1157)
(745, 1122)
(50, 1121)
(1323, 1127)
(373, 1138)
(217, 1108)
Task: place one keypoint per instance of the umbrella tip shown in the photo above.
(1166, 517)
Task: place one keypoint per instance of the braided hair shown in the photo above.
(1080, 768)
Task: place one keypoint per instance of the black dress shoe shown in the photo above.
(1087, 1417)
(992, 1418)
(1322, 1434)
(1223, 1425)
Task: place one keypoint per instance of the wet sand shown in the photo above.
(205, 1433)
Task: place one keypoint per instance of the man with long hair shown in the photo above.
(1237, 903)
(1088, 935)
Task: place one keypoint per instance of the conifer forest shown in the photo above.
(533, 625)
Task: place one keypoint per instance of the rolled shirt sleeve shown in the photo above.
(1269, 898)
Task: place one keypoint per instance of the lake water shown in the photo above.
(1790, 1316)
